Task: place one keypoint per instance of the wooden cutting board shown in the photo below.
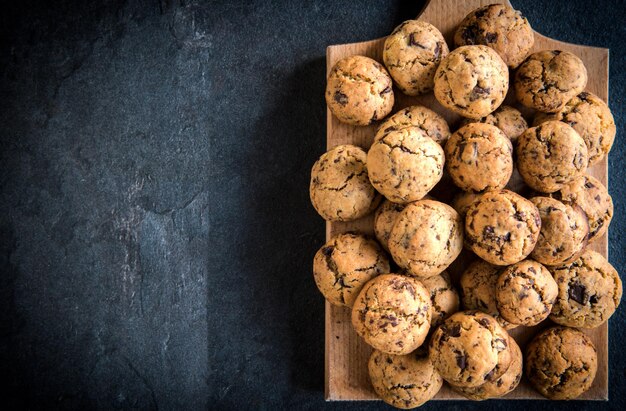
(346, 355)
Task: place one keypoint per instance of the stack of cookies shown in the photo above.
(525, 209)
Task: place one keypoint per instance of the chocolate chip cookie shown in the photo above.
(561, 363)
(462, 201)
(472, 81)
(431, 123)
(548, 79)
(590, 291)
(500, 27)
(426, 238)
(412, 54)
(506, 118)
(384, 219)
(443, 295)
(359, 91)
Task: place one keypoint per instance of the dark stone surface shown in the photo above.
(156, 235)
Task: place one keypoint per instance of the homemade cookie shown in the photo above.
(590, 291)
(392, 313)
(421, 117)
(384, 219)
(412, 54)
(359, 91)
(403, 381)
(548, 79)
(344, 264)
(404, 165)
(563, 234)
(340, 189)
(550, 156)
(462, 201)
(525, 293)
(588, 193)
(472, 81)
(444, 298)
(426, 238)
(500, 27)
(561, 363)
(506, 118)
(470, 348)
(478, 290)
(502, 227)
(591, 118)
(479, 157)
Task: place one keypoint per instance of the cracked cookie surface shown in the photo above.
(479, 157)
(426, 238)
(404, 165)
(431, 123)
(590, 291)
(506, 118)
(340, 189)
(472, 81)
(500, 27)
(550, 156)
(392, 313)
(502, 227)
(344, 264)
(548, 79)
(470, 348)
(443, 296)
(359, 91)
(412, 53)
(561, 363)
(403, 381)
(384, 219)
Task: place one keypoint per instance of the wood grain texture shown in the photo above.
(346, 354)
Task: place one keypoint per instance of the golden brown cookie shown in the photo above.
(502, 227)
(463, 201)
(591, 118)
(470, 348)
(444, 297)
(506, 118)
(472, 81)
(359, 91)
(426, 238)
(561, 363)
(344, 264)
(500, 27)
(550, 156)
(563, 234)
(384, 219)
(403, 381)
(431, 123)
(404, 165)
(412, 54)
(525, 293)
(340, 189)
(590, 291)
(392, 313)
(548, 79)
(479, 157)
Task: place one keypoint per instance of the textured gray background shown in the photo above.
(156, 235)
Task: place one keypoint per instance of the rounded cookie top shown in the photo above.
(426, 238)
(590, 291)
(502, 227)
(403, 381)
(550, 156)
(359, 91)
(340, 189)
(506, 118)
(404, 165)
(431, 123)
(548, 79)
(392, 313)
(344, 264)
(591, 118)
(470, 348)
(479, 157)
(561, 363)
(563, 234)
(588, 193)
(472, 81)
(384, 219)
(500, 27)
(443, 296)
(412, 54)
(525, 293)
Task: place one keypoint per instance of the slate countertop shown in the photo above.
(156, 235)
